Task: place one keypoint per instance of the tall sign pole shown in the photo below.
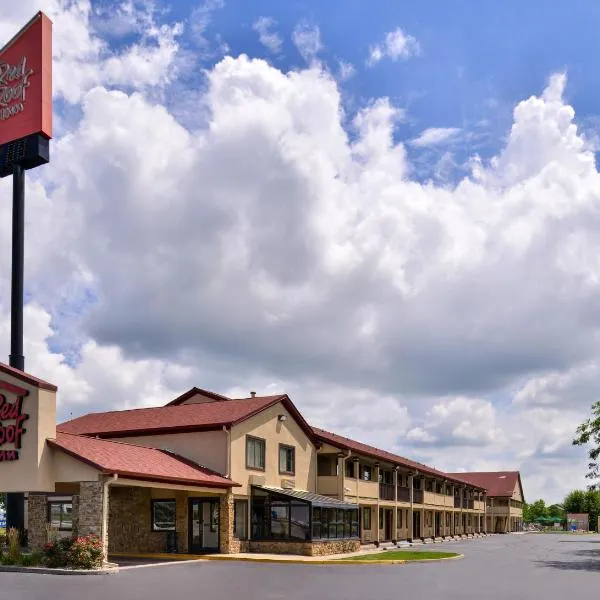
(25, 133)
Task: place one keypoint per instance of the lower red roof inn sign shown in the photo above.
(12, 418)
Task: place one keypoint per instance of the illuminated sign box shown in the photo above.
(26, 96)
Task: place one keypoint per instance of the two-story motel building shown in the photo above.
(207, 473)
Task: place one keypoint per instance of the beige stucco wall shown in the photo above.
(68, 469)
(267, 426)
(517, 495)
(33, 470)
(209, 448)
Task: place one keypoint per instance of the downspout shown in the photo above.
(228, 445)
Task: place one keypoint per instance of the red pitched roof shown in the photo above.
(138, 462)
(348, 444)
(27, 378)
(170, 419)
(497, 483)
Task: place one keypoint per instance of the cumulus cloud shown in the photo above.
(287, 241)
(396, 45)
(268, 38)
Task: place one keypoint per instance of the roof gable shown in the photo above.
(203, 395)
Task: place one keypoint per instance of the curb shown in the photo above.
(48, 571)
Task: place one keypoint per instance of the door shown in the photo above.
(416, 525)
(388, 525)
(437, 524)
(203, 525)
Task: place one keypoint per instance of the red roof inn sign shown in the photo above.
(12, 419)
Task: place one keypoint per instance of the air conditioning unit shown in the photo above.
(288, 484)
(257, 480)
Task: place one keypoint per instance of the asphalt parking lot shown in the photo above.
(514, 567)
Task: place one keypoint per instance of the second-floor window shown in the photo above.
(366, 472)
(287, 459)
(255, 453)
(350, 469)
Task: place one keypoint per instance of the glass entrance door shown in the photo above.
(203, 525)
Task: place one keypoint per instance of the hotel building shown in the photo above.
(206, 473)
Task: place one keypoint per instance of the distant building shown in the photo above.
(580, 521)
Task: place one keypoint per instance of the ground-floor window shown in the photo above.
(163, 515)
(240, 519)
(60, 515)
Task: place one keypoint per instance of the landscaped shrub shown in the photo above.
(56, 553)
(31, 560)
(85, 553)
(14, 545)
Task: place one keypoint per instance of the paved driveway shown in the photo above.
(509, 567)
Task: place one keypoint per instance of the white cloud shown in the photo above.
(307, 39)
(396, 45)
(272, 244)
(434, 136)
(268, 38)
(346, 70)
(458, 422)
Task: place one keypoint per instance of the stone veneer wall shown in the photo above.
(227, 543)
(130, 522)
(37, 508)
(91, 515)
(305, 548)
(75, 514)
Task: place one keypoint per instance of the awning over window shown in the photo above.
(315, 499)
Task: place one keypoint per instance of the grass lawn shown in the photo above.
(404, 555)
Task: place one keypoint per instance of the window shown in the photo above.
(350, 472)
(280, 520)
(299, 522)
(366, 472)
(367, 517)
(429, 485)
(326, 465)
(240, 519)
(287, 459)
(60, 515)
(316, 522)
(163, 515)
(255, 453)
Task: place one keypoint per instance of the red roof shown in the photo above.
(497, 483)
(170, 419)
(346, 443)
(27, 378)
(138, 462)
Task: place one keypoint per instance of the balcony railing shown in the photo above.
(386, 491)
(418, 496)
(403, 494)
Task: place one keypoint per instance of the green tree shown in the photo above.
(534, 511)
(592, 505)
(575, 502)
(556, 511)
(589, 433)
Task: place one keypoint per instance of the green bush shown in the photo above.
(85, 553)
(31, 560)
(56, 553)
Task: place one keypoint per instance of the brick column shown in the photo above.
(37, 507)
(227, 544)
(93, 511)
